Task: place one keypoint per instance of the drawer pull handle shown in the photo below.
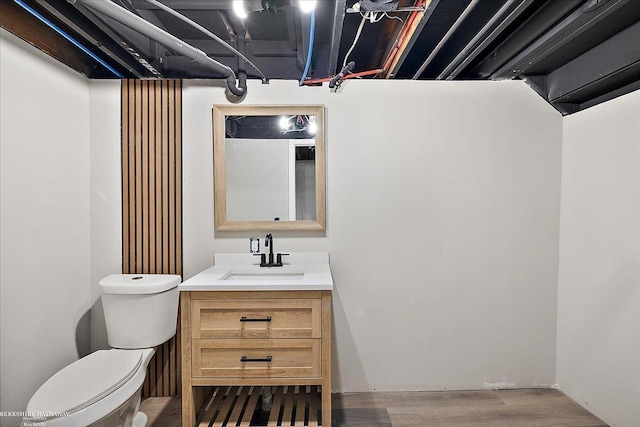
(247, 359)
(262, 319)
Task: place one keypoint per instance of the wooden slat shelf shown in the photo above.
(230, 406)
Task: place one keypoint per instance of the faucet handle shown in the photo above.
(279, 258)
(263, 259)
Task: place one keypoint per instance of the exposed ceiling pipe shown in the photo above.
(403, 40)
(478, 37)
(312, 32)
(107, 47)
(346, 72)
(242, 72)
(210, 34)
(393, 58)
(482, 40)
(446, 38)
(136, 23)
(58, 30)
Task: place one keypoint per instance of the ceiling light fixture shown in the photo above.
(307, 5)
(239, 9)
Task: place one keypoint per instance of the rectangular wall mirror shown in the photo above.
(269, 167)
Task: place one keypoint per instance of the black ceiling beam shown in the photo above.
(76, 21)
(631, 87)
(412, 40)
(181, 67)
(563, 32)
(18, 21)
(193, 4)
(339, 11)
(538, 83)
(185, 4)
(292, 34)
(611, 65)
(509, 12)
(270, 48)
(466, 13)
(521, 37)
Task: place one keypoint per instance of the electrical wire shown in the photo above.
(355, 40)
(390, 59)
(58, 30)
(348, 76)
(393, 17)
(312, 32)
(373, 17)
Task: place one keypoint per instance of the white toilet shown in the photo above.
(103, 389)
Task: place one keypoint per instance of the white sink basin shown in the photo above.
(242, 272)
(262, 276)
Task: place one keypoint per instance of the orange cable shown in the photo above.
(390, 58)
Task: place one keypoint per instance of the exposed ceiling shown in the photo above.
(574, 53)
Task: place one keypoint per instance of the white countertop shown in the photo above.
(242, 272)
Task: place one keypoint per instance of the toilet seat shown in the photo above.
(87, 381)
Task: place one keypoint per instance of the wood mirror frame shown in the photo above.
(220, 112)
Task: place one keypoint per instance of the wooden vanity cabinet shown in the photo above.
(254, 338)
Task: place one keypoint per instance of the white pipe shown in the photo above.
(208, 33)
(134, 22)
(445, 38)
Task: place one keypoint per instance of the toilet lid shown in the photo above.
(86, 381)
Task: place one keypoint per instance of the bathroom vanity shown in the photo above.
(244, 327)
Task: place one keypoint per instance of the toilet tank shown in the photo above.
(140, 310)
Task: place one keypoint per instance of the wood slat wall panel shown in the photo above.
(152, 201)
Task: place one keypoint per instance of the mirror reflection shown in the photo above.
(273, 164)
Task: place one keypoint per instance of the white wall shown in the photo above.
(44, 228)
(253, 164)
(106, 197)
(442, 225)
(599, 279)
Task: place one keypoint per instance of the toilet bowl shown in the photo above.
(103, 389)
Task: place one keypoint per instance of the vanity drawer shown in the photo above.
(256, 318)
(256, 358)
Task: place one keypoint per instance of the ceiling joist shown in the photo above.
(574, 53)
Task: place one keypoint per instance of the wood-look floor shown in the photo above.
(483, 408)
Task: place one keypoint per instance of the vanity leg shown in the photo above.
(188, 403)
(326, 359)
(326, 407)
(188, 408)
